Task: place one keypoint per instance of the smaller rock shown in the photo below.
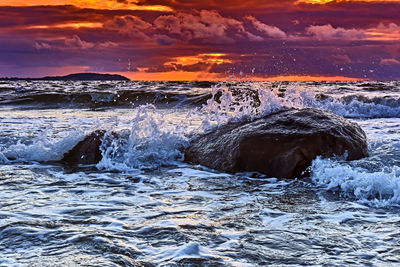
(86, 151)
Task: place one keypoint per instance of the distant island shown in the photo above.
(76, 77)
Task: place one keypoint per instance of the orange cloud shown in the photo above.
(390, 32)
(207, 58)
(389, 61)
(323, 2)
(74, 25)
(94, 4)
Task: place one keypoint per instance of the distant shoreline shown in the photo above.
(73, 77)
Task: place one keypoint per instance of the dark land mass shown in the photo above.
(75, 77)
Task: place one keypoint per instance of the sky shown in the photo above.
(202, 40)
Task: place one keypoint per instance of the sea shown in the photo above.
(142, 205)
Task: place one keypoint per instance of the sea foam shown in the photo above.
(379, 188)
(43, 148)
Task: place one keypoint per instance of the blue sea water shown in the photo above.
(141, 205)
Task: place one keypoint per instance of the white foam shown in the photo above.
(379, 188)
(43, 147)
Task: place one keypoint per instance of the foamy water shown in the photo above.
(142, 205)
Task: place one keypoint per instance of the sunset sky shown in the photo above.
(202, 40)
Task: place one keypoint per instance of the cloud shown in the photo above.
(130, 25)
(73, 43)
(206, 26)
(270, 31)
(323, 2)
(103, 4)
(254, 38)
(389, 28)
(169, 23)
(327, 32)
(389, 61)
(42, 45)
(221, 4)
(127, 22)
(390, 31)
(76, 42)
(107, 44)
(341, 59)
(381, 32)
(164, 39)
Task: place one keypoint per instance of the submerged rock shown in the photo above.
(280, 145)
(86, 151)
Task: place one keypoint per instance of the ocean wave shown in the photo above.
(353, 100)
(357, 106)
(94, 95)
(93, 100)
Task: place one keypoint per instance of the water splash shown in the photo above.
(255, 99)
(151, 142)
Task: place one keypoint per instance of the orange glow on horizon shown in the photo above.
(172, 76)
(93, 4)
(206, 76)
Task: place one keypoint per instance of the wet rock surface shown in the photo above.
(86, 151)
(280, 145)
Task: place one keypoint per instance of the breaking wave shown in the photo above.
(258, 100)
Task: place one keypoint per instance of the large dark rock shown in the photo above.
(86, 151)
(280, 145)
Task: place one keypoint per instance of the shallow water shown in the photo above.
(142, 206)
